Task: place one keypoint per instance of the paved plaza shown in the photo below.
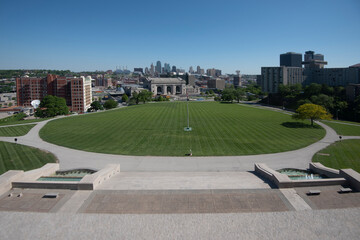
(186, 201)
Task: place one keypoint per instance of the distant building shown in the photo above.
(152, 70)
(191, 70)
(139, 70)
(313, 72)
(165, 86)
(173, 69)
(147, 72)
(211, 72)
(198, 70)
(237, 81)
(167, 68)
(313, 61)
(272, 77)
(332, 76)
(216, 84)
(158, 67)
(76, 91)
(291, 59)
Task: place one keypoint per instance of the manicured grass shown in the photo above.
(22, 121)
(15, 131)
(158, 129)
(19, 157)
(344, 154)
(343, 129)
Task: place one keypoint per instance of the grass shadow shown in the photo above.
(299, 125)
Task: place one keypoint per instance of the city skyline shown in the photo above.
(236, 35)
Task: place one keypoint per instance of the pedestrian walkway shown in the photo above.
(71, 158)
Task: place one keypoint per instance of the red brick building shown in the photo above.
(76, 91)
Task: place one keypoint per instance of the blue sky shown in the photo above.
(229, 35)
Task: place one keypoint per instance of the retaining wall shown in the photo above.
(283, 181)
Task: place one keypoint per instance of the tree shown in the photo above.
(323, 100)
(239, 94)
(109, 104)
(312, 112)
(52, 106)
(95, 105)
(312, 89)
(124, 98)
(143, 95)
(227, 95)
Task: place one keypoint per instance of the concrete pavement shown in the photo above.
(71, 158)
(314, 224)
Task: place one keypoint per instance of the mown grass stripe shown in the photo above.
(157, 129)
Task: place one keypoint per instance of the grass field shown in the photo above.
(343, 129)
(158, 130)
(15, 131)
(19, 157)
(11, 121)
(344, 154)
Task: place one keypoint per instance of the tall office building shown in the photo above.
(152, 69)
(211, 72)
(158, 67)
(173, 69)
(291, 59)
(167, 68)
(237, 79)
(191, 70)
(198, 70)
(272, 77)
(76, 91)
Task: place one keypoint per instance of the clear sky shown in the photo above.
(229, 35)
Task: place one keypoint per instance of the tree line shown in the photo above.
(333, 99)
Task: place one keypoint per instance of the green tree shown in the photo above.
(323, 100)
(312, 112)
(109, 104)
(239, 94)
(124, 98)
(312, 89)
(143, 95)
(52, 106)
(95, 105)
(228, 95)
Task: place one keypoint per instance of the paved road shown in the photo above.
(70, 158)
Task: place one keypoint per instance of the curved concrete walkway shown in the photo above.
(71, 158)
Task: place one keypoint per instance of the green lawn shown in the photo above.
(19, 157)
(15, 131)
(158, 129)
(12, 120)
(343, 129)
(344, 154)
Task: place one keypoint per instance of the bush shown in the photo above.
(109, 104)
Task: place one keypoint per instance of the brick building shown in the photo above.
(76, 91)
